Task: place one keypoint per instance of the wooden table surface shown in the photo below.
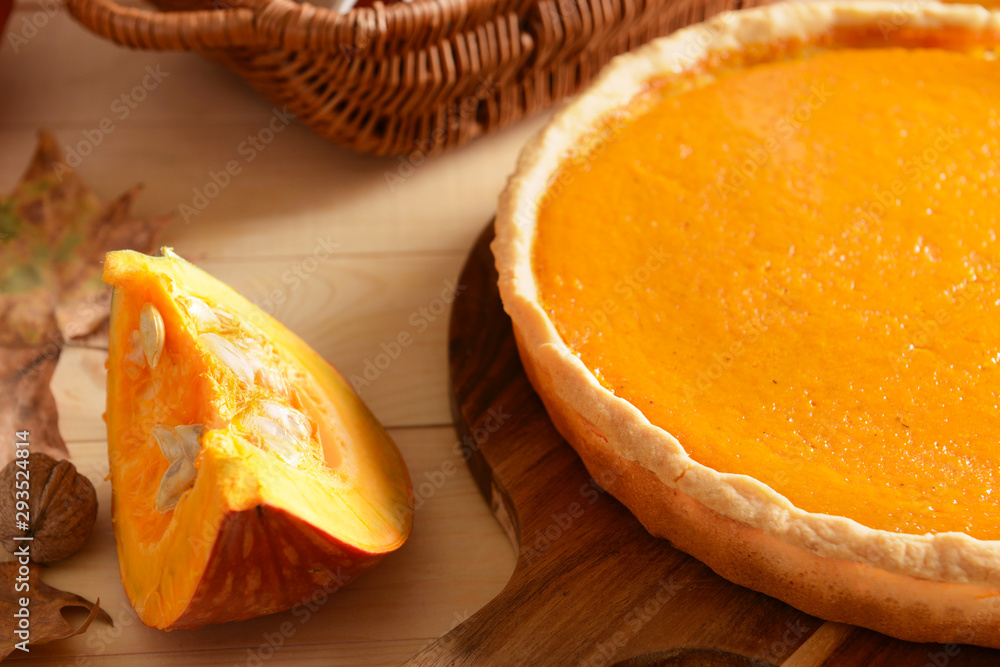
(397, 246)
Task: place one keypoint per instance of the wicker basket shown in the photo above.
(426, 76)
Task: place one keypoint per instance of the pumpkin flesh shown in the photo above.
(296, 487)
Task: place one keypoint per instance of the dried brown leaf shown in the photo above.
(54, 234)
(29, 405)
(45, 621)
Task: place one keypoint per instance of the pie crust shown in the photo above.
(942, 587)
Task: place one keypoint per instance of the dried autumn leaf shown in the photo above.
(54, 234)
(28, 403)
(46, 603)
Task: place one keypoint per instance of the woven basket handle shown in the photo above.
(168, 31)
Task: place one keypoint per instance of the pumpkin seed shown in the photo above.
(178, 478)
(266, 374)
(134, 355)
(224, 316)
(180, 445)
(229, 355)
(293, 421)
(179, 441)
(272, 379)
(200, 312)
(283, 430)
(147, 393)
(152, 334)
(134, 351)
(282, 448)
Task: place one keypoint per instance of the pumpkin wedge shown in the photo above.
(247, 476)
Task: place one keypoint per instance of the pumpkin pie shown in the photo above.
(752, 276)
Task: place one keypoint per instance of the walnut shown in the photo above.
(61, 507)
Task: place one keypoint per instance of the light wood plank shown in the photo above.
(297, 183)
(199, 119)
(53, 58)
(79, 387)
(457, 559)
(815, 650)
(395, 248)
(381, 654)
(359, 314)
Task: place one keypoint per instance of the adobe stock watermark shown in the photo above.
(635, 620)
(298, 273)
(457, 626)
(464, 448)
(625, 289)
(790, 639)
(563, 178)
(986, 618)
(755, 157)
(459, 111)
(902, 14)
(533, 547)
(913, 169)
(19, 35)
(695, 39)
(725, 360)
(307, 606)
(363, 37)
(927, 328)
(248, 149)
(419, 321)
(121, 108)
(921, 336)
(100, 639)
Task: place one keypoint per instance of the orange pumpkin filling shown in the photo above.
(791, 268)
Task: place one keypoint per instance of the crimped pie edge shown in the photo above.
(943, 557)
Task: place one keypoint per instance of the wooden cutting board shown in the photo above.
(591, 586)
